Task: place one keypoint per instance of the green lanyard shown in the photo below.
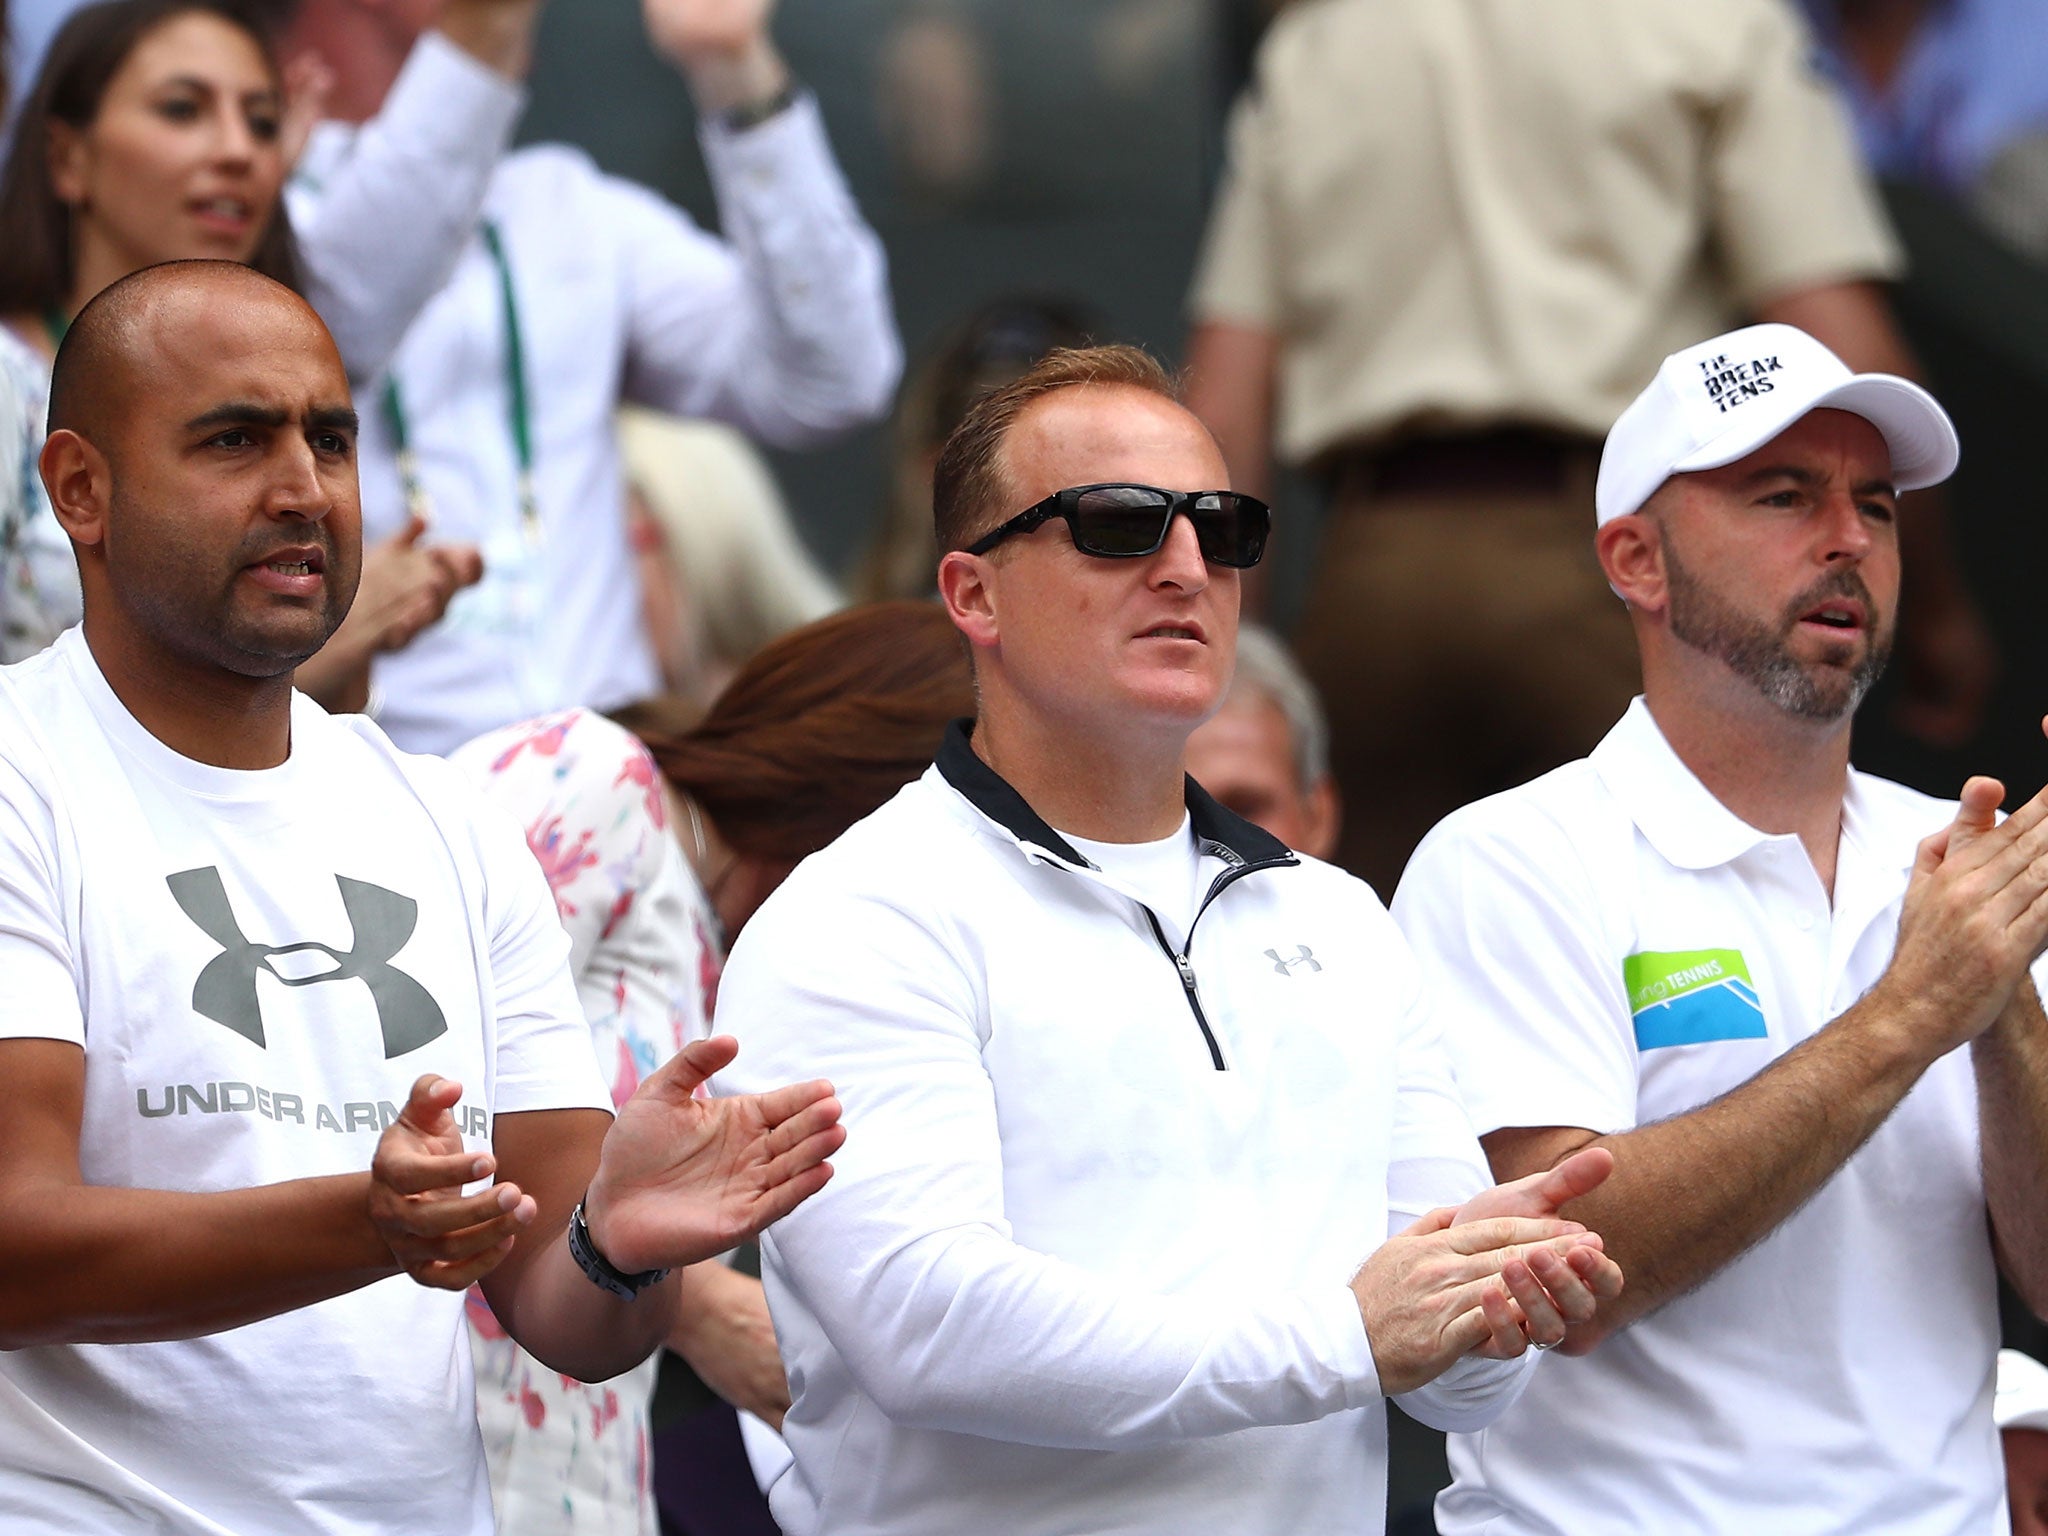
(55, 324)
(416, 499)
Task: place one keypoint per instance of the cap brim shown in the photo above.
(1916, 430)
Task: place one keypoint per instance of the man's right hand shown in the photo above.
(1975, 917)
(438, 1235)
(1437, 1292)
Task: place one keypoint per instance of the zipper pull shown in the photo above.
(1186, 967)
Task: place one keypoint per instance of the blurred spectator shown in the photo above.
(722, 568)
(1452, 235)
(2021, 1409)
(653, 871)
(1938, 88)
(1266, 753)
(988, 349)
(578, 290)
(157, 131)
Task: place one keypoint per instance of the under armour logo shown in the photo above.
(1286, 967)
(383, 921)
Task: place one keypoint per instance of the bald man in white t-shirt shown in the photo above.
(272, 994)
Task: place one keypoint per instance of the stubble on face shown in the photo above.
(1760, 651)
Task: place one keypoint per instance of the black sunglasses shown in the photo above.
(1122, 522)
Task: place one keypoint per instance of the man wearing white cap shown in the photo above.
(1750, 971)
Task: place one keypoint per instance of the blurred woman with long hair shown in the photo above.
(157, 131)
(661, 834)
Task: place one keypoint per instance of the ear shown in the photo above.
(1632, 558)
(68, 156)
(80, 484)
(966, 587)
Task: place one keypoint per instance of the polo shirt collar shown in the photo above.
(1689, 827)
(1217, 828)
(1680, 816)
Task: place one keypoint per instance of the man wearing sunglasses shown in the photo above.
(1153, 1195)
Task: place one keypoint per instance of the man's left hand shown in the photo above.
(684, 1177)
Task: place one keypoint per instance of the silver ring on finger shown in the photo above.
(1539, 1344)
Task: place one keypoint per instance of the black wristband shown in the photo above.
(751, 114)
(602, 1272)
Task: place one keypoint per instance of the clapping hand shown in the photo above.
(439, 1236)
(1551, 1290)
(683, 1177)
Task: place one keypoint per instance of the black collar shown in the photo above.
(990, 793)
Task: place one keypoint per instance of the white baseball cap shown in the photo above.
(1716, 402)
(2021, 1401)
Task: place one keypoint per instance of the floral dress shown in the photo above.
(565, 1457)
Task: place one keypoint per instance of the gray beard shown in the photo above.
(1758, 651)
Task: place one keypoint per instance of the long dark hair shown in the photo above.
(37, 259)
(821, 727)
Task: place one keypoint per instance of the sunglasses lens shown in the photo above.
(1231, 528)
(1119, 520)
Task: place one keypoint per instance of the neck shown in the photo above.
(1778, 773)
(200, 711)
(1126, 790)
(98, 265)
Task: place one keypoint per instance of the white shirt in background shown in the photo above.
(781, 328)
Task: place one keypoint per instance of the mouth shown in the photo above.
(226, 212)
(1175, 632)
(1842, 615)
(296, 572)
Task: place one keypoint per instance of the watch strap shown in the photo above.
(751, 114)
(602, 1272)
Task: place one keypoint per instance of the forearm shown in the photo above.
(423, 165)
(970, 1333)
(800, 343)
(1231, 383)
(86, 1264)
(498, 34)
(722, 79)
(2011, 1063)
(1691, 1193)
(570, 1324)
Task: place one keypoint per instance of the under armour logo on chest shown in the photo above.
(1286, 967)
(383, 921)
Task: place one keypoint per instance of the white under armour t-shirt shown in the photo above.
(259, 965)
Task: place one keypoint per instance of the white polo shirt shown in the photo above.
(1609, 946)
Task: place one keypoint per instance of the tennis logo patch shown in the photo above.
(1691, 996)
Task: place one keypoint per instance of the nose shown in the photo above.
(1179, 561)
(297, 488)
(234, 140)
(1845, 532)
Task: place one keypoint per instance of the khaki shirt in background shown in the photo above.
(1462, 213)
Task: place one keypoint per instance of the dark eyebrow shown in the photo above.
(194, 83)
(1792, 472)
(238, 413)
(331, 418)
(1877, 488)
